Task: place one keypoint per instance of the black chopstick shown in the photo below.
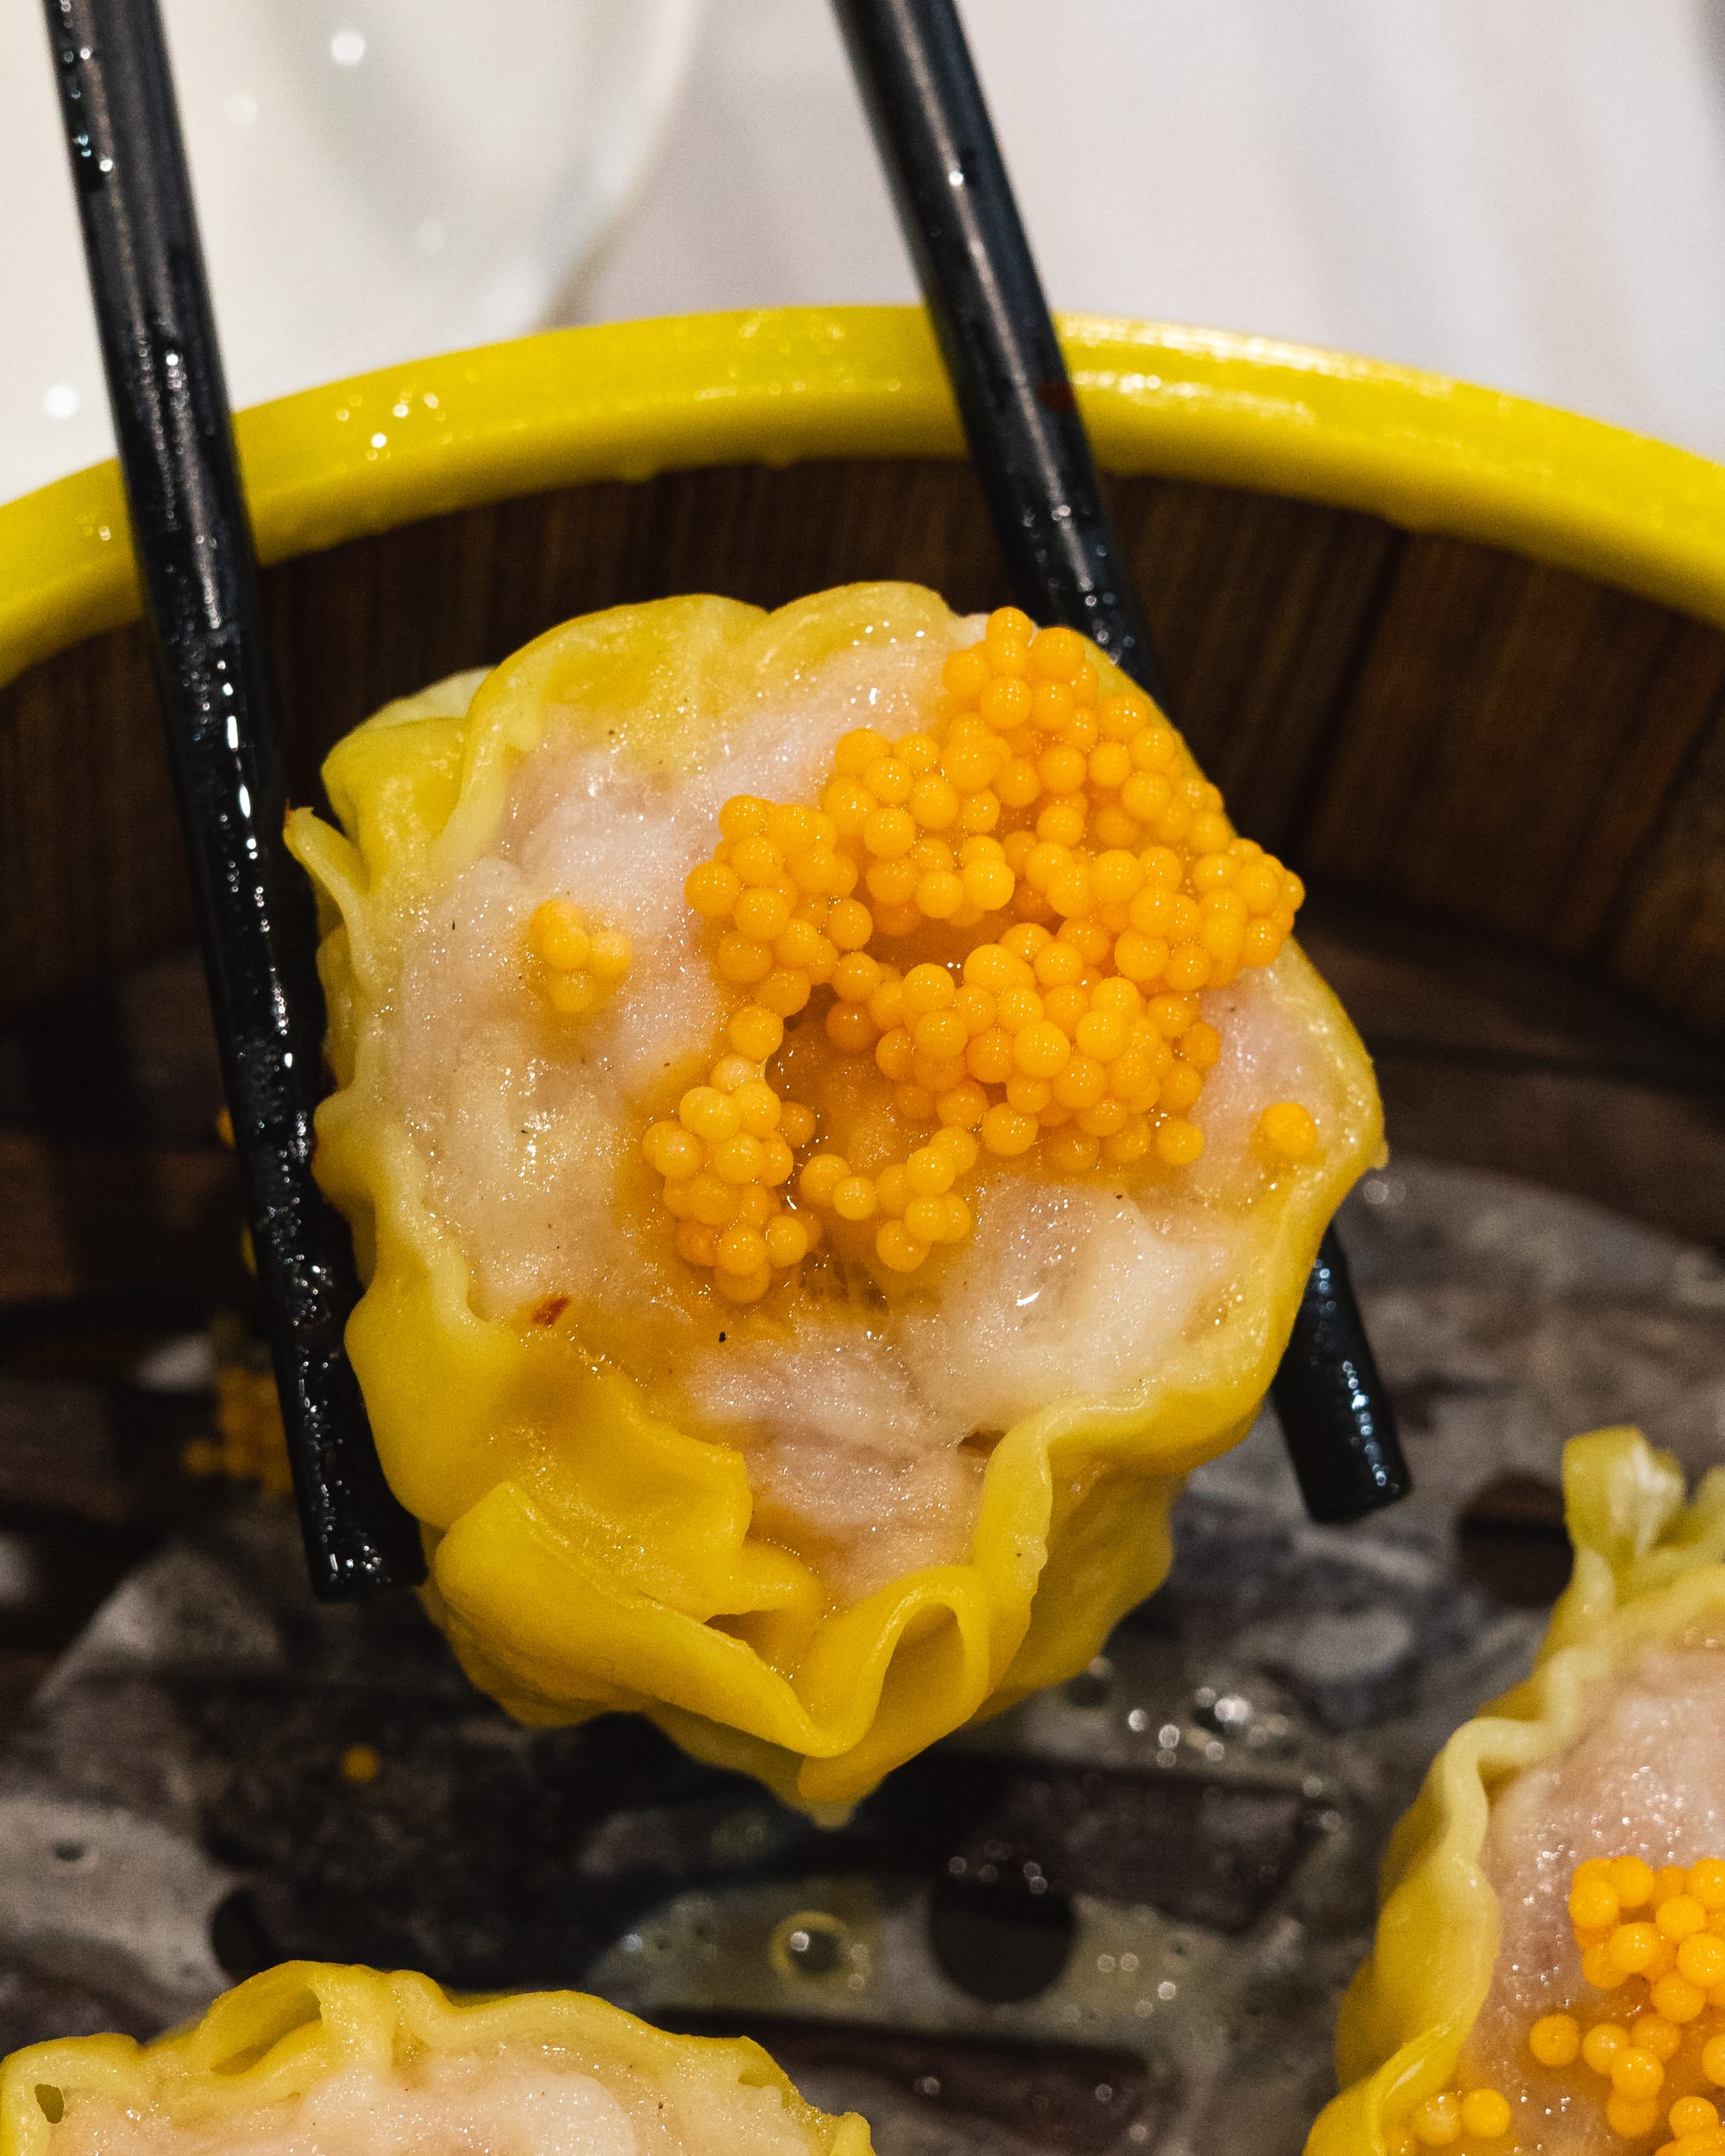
(1033, 456)
(194, 545)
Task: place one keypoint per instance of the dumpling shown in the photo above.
(835, 1127)
(312, 2058)
(1549, 1972)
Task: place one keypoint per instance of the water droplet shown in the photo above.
(347, 48)
(60, 401)
(808, 1944)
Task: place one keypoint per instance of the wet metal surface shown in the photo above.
(1117, 1919)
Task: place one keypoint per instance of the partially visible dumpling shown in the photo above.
(314, 2060)
(1630, 1818)
(1549, 1976)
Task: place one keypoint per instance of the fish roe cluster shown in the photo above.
(1654, 1942)
(1011, 915)
(578, 963)
(726, 1157)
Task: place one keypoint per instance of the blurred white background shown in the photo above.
(375, 178)
(1530, 193)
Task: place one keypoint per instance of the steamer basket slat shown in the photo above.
(1427, 719)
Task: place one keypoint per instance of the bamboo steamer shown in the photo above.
(1454, 656)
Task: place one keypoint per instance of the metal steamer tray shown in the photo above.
(1119, 1918)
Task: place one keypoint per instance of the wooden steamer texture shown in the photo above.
(1459, 660)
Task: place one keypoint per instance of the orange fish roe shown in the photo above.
(1008, 919)
(578, 962)
(1287, 1128)
(1480, 2114)
(1654, 1942)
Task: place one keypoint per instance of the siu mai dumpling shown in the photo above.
(836, 1126)
(313, 2059)
(1549, 1972)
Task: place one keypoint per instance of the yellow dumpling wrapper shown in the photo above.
(585, 1554)
(1649, 1569)
(289, 2032)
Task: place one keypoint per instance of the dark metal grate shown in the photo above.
(1119, 1918)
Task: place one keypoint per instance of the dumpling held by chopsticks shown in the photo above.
(836, 1126)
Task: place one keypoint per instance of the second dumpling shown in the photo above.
(1549, 1972)
(316, 2058)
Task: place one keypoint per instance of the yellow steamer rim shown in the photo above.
(785, 385)
(625, 403)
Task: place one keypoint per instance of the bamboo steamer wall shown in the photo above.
(1504, 779)
(1416, 718)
